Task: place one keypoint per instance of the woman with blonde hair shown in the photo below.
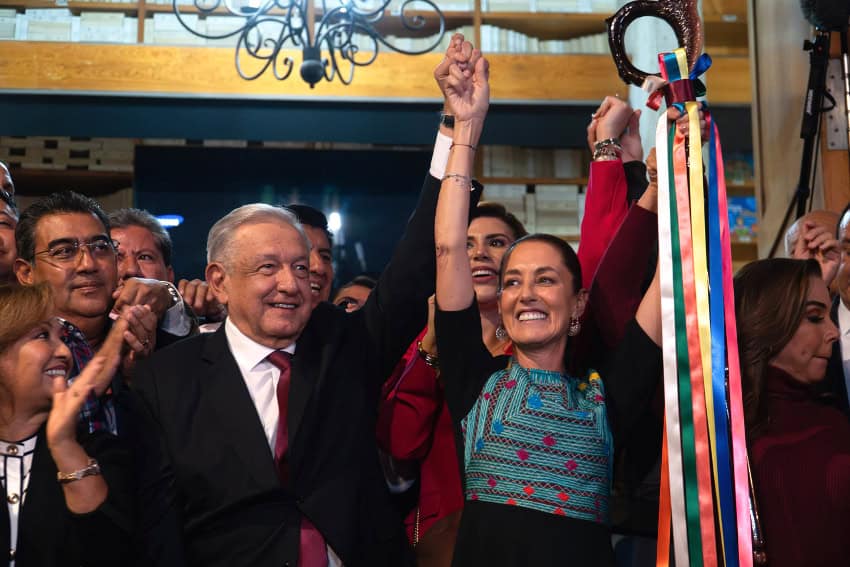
(67, 493)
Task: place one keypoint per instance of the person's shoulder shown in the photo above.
(181, 357)
(185, 348)
(328, 323)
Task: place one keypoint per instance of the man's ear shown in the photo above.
(216, 277)
(24, 272)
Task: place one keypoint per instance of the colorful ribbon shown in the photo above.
(669, 347)
(704, 468)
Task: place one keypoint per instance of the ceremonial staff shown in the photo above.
(705, 498)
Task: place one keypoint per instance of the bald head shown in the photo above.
(826, 219)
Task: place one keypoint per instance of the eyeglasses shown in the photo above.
(67, 251)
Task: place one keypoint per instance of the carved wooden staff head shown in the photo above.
(683, 17)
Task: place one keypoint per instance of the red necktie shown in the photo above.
(312, 549)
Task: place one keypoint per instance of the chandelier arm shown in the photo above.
(337, 30)
(339, 38)
(242, 47)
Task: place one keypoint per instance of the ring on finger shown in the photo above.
(146, 342)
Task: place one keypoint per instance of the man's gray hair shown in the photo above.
(221, 233)
(122, 218)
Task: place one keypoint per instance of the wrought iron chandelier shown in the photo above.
(316, 26)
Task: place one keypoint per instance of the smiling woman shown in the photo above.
(537, 440)
(88, 520)
(799, 441)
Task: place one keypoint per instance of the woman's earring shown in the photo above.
(575, 327)
(501, 333)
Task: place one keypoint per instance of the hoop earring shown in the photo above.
(575, 327)
(501, 333)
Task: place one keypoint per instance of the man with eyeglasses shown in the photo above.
(63, 239)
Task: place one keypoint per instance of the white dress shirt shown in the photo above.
(844, 330)
(440, 155)
(261, 378)
(260, 375)
(15, 467)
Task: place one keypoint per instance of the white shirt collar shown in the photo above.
(248, 352)
(843, 318)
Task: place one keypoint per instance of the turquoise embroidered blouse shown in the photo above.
(540, 440)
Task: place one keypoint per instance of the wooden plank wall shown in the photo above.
(208, 71)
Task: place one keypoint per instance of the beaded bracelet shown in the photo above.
(607, 142)
(461, 178)
(607, 153)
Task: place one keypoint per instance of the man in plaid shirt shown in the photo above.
(63, 240)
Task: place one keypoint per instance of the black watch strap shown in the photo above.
(447, 120)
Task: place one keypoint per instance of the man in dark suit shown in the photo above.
(213, 490)
(315, 225)
(838, 368)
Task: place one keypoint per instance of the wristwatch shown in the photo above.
(175, 295)
(92, 470)
(447, 120)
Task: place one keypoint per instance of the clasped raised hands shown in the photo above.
(463, 77)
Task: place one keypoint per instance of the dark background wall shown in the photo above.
(374, 191)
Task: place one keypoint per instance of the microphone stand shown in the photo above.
(812, 108)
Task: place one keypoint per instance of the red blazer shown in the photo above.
(414, 420)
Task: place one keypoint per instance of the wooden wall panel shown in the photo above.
(157, 70)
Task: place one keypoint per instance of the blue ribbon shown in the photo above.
(671, 65)
(701, 66)
(718, 357)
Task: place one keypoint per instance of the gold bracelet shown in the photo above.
(92, 469)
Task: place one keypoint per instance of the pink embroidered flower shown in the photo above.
(571, 465)
(599, 398)
(486, 396)
(549, 441)
(511, 501)
(491, 482)
(563, 496)
(473, 496)
(528, 490)
(522, 454)
(510, 384)
(559, 512)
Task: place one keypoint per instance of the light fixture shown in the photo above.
(334, 222)
(169, 221)
(330, 33)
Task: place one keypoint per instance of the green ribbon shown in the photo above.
(686, 417)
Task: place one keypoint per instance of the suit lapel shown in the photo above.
(239, 424)
(313, 355)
